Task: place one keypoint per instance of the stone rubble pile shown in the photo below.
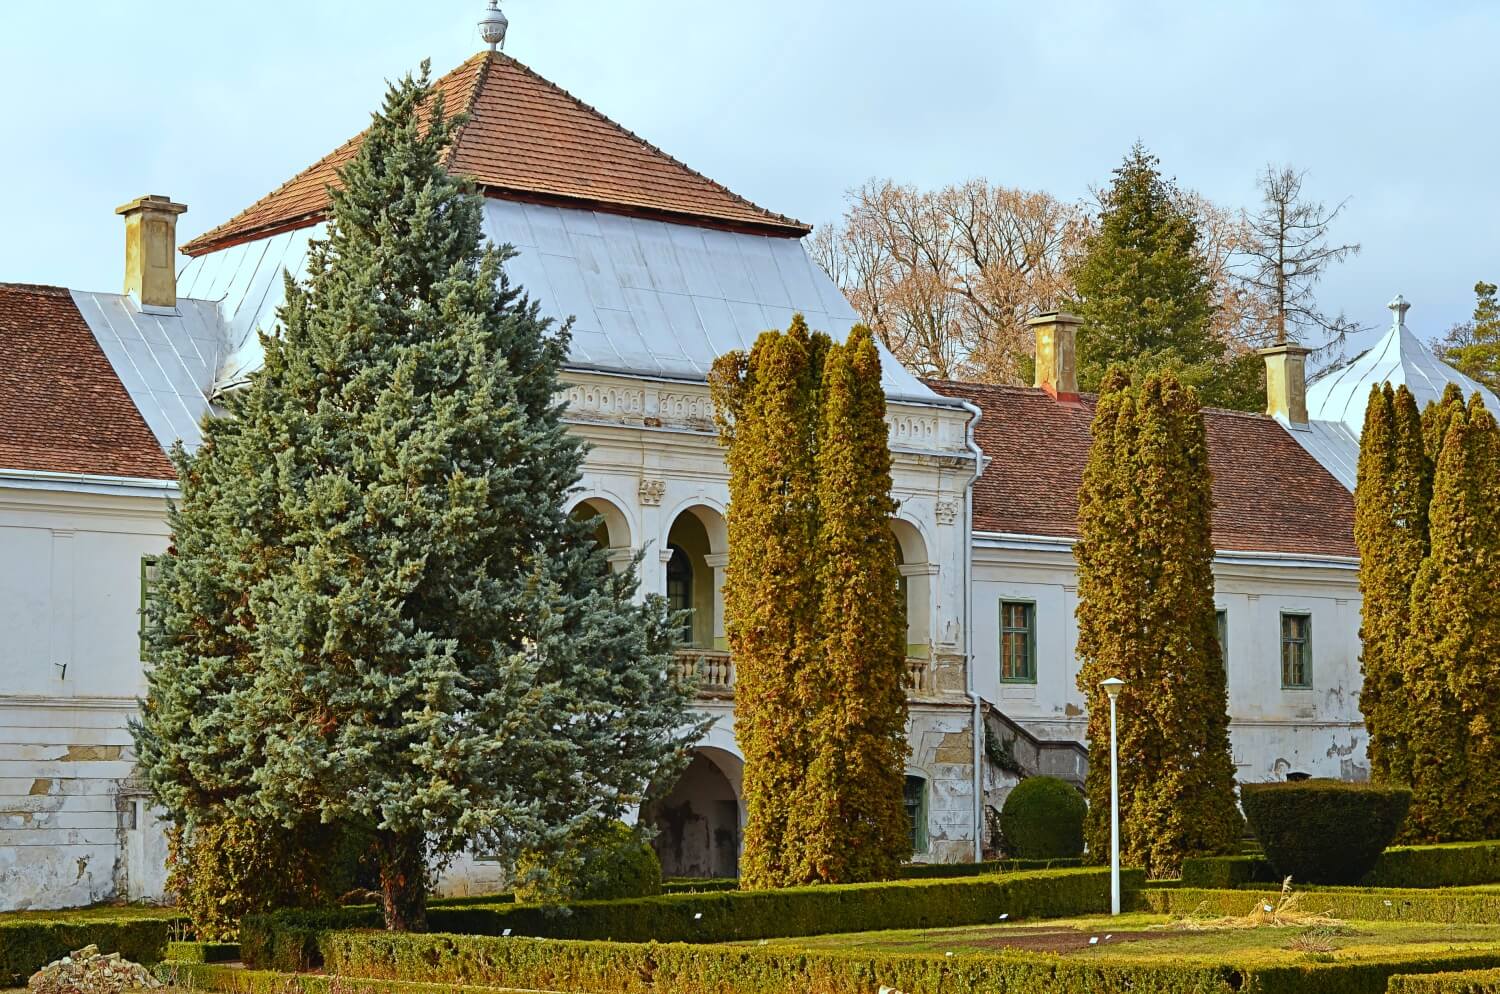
(86, 971)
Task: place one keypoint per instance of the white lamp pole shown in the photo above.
(1112, 688)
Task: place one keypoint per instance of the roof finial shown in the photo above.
(492, 26)
(1399, 307)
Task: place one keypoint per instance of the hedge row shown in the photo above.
(233, 980)
(701, 969)
(1459, 908)
(202, 952)
(1467, 982)
(29, 944)
(289, 940)
(1461, 864)
(938, 871)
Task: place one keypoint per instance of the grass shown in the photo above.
(1315, 943)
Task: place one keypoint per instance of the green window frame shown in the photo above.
(1296, 651)
(1018, 642)
(914, 796)
(148, 587)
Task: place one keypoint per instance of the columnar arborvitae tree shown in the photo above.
(812, 610)
(1451, 660)
(1146, 615)
(850, 816)
(767, 409)
(430, 649)
(1390, 529)
(1145, 294)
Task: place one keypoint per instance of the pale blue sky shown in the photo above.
(790, 104)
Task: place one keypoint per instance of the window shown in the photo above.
(1296, 650)
(1017, 642)
(149, 573)
(1221, 620)
(915, 795)
(680, 590)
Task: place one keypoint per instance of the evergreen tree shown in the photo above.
(1390, 529)
(850, 817)
(1473, 347)
(766, 403)
(1146, 296)
(1146, 615)
(811, 608)
(430, 649)
(1452, 657)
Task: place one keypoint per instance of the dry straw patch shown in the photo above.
(1286, 912)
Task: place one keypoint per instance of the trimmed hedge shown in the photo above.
(1226, 871)
(1324, 831)
(29, 944)
(700, 969)
(1459, 908)
(1467, 982)
(705, 885)
(211, 977)
(202, 952)
(291, 940)
(1457, 864)
(944, 871)
(1043, 819)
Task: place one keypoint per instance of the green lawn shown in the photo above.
(103, 911)
(1141, 936)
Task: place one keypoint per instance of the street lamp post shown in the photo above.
(1112, 688)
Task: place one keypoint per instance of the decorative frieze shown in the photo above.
(912, 430)
(695, 409)
(605, 401)
(652, 491)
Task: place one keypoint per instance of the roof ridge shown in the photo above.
(469, 104)
(48, 289)
(653, 147)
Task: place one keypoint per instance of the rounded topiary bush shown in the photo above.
(1043, 819)
(1324, 831)
(608, 863)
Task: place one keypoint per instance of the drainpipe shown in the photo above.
(975, 414)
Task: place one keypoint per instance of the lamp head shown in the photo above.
(1112, 686)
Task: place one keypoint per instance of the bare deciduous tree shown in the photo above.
(1286, 252)
(947, 278)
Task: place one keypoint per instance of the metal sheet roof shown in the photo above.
(1333, 445)
(1398, 357)
(647, 297)
(168, 361)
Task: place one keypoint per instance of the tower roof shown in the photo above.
(527, 139)
(1399, 357)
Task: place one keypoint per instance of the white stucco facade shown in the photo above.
(75, 828)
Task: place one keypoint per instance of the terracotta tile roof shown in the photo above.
(1270, 495)
(527, 139)
(62, 408)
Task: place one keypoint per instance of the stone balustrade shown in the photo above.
(925, 678)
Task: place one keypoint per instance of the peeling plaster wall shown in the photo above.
(74, 827)
(1274, 730)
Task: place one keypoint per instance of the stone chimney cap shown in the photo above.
(1054, 317)
(151, 202)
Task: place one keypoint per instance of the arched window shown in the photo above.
(680, 589)
(915, 795)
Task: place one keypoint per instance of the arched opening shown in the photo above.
(916, 587)
(698, 821)
(610, 530)
(694, 560)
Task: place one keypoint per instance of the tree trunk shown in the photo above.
(403, 880)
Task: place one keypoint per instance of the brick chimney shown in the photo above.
(151, 250)
(1286, 383)
(1056, 351)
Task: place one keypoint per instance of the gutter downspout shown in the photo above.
(975, 415)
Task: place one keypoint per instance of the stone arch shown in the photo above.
(694, 552)
(613, 528)
(700, 821)
(918, 581)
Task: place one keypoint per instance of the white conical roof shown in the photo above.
(1399, 357)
